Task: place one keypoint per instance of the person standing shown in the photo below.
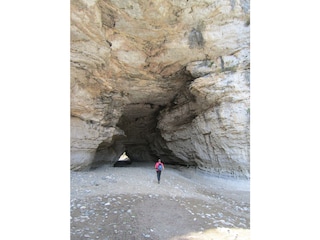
(159, 167)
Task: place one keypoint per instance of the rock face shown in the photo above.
(162, 78)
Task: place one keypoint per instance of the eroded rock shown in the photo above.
(165, 79)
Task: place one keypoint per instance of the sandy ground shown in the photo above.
(128, 203)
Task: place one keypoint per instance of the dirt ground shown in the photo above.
(128, 203)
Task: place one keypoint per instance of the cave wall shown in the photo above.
(213, 130)
(161, 78)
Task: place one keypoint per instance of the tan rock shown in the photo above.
(161, 78)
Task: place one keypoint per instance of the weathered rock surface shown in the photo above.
(162, 78)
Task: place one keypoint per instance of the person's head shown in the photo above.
(159, 160)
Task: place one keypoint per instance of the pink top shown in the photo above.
(157, 164)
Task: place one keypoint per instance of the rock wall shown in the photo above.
(161, 78)
(212, 130)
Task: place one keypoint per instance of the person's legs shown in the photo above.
(158, 176)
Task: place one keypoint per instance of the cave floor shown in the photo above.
(128, 203)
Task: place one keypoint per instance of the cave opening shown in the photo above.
(142, 141)
(123, 161)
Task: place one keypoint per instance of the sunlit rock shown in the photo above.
(163, 78)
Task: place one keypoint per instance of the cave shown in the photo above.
(142, 140)
(170, 83)
(159, 79)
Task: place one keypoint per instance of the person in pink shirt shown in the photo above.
(159, 167)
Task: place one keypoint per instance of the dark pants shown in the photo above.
(158, 175)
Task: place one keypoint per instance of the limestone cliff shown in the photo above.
(162, 78)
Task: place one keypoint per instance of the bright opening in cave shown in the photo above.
(124, 157)
(124, 160)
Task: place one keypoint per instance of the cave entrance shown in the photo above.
(142, 141)
(139, 123)
(123, 161)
